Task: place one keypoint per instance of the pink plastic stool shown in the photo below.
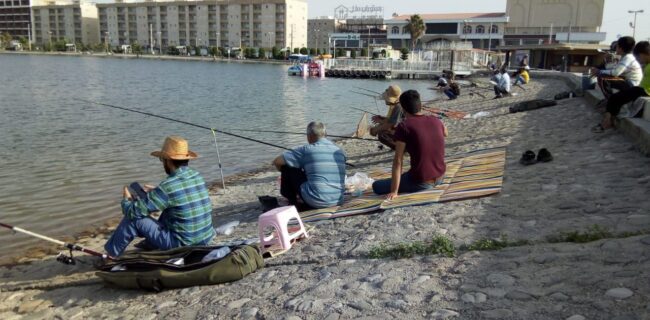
(278, 219)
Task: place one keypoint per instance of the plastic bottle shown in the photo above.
(216, 254)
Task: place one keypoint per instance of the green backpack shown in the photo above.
(154, 271)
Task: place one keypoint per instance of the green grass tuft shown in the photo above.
(438, 245)
(593, 233)
(493, 244)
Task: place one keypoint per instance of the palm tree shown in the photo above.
(416, 28)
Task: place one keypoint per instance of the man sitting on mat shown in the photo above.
(503, 85)
(385, 126)
(183, 199)
(423, 137)
(315, 172)
(626, 74)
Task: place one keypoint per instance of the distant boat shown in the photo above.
(295, 70)
(311, 69)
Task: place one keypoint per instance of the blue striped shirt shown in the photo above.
(324, 166)
(185, 204)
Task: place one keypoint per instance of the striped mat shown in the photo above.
(477, 174)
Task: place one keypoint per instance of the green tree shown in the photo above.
(24, 42)
(5, 39)
(136, 48)
(59, 45)
(261, 53)
(313, 51)
(304, 50)
(339, 52)
(364, 52)
(296, 50)
(405, 54)
(415, 26)
(353, 54)
(383, 53)
(275, 52)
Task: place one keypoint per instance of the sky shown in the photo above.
(615, 20)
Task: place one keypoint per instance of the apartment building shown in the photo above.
(319, 31)
(544, 21)
(223, 23)
(15, 17)
(72, 21)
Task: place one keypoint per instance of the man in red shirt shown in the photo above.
(423, 137)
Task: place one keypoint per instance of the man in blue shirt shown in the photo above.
(315, 172)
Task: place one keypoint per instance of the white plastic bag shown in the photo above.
(227, 228)
(358, 183)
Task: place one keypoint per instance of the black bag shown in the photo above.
(532, 105)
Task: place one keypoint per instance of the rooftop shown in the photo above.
(453, 16)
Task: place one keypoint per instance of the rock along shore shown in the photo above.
(595, 179)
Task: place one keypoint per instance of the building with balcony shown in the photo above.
(535, 22)
(223, 23)
(369, 32)
(73, 21)
(481, 30)
(15, 17)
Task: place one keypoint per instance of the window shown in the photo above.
(467, 29)
(480, 29)
(395, 30)
(495, 29)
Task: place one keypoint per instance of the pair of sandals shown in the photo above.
(529, 157)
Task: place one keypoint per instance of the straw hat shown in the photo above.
(175, 148)
(391, 95)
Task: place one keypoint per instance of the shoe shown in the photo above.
(268, 203)
(528, 158)
(544, 155)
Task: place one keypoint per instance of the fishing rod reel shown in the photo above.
(66, 259)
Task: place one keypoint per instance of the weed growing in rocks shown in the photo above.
(593, 233)
(493, 244)
(438, 245)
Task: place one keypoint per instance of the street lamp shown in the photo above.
(49, 33)
(368, 53)
(634, 25)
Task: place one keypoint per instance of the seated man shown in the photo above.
(450, 88)
(385, 126)
(522, 77)
(503, 84)
(627, 73)
(619, 99)
(183, 198)
(315, 172)
(423, 137)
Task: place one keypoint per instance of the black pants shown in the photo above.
(499, 91)
(292, 179)
(619, 99)
(609, 84)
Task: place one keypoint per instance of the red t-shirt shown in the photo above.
(425, 142)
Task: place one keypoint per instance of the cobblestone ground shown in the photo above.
(594, 180)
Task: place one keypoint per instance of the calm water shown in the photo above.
(64, 162)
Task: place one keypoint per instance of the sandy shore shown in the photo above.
(595, 179)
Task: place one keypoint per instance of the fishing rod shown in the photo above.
(372, 113)
(70, 246)
(191, 124)
(363, 94)
(367, 90)
(298, 133)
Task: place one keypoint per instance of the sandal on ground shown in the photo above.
(528, 158)
(598, 128)
(544, 155)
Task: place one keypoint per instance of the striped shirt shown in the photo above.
(324, 165)
(185, 204)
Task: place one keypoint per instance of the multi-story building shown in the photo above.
(482, 30)
(544, 21)
(15, 17)
(223, 23)
(74, 22)
(319, 31)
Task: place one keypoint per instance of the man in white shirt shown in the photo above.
(503, 84)
(626, 74)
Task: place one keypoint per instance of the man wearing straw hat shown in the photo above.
(385, 126)
(183, 199)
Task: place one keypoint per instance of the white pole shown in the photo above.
(490, 38)
(550, 35)
(223, 182)
(151, 38)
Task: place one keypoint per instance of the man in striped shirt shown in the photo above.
(315, 172)
(183, 199)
